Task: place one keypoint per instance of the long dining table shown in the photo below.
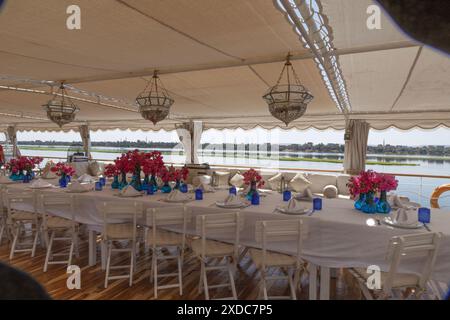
(338, 236)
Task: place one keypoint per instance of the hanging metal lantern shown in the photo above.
(60, 109)
(154, 103)
(288, 100)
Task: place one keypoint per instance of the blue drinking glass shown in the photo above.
(424, 215)
(102, 180)
(198, 194)
(233, 190)
(317, 204)
(287, 195)
(255, 198)
(150, 190)
(98, 186)
(184, 188)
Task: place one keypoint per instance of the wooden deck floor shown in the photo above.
(92, 279)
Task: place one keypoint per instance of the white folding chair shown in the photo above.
(119, 224)
(158, 239)
(267, 232)
(18, 220)
(3, 216)
(59, 228)
(228, 227)
(422, 247)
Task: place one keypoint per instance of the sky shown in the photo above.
(414, 137)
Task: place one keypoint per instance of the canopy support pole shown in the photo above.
(356, 137)
(11, 132)
(190, 134)
(86, 138)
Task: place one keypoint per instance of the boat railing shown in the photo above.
(426, 189)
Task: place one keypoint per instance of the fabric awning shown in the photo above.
(217, 58)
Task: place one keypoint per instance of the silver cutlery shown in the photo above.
(427, 227)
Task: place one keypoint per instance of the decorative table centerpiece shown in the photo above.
(21, 168)
(111, 171)
(152, 165)
(64, 171)
(253, 181)
(364, 186)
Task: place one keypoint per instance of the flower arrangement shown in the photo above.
(387, 182)
(371, 181)
(366, 184)
(62, 169)
(21, 168)
(173, 174)
(111, 170)
(152, 163)
(251, 177)
(23, 163)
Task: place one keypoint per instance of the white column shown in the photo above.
(86, 138)
(357, 135)
(12, 136)
(197, 129)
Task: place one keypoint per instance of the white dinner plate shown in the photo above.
(135, 196)
(390, 222)
(299, 211)
(221, 204)
(41, 187)
(177, 201)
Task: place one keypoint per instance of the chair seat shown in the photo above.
(119, 231)
(23, 215)
(273, 259)
(212, 248)
(165, 238)
(400, 279)
(58, 223)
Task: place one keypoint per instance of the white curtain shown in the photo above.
(86, 138)
(197, 130)
(185, 138)
(190, 134)
(12, 136)
(356, 147)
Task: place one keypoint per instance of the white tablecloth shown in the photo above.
(337, 236)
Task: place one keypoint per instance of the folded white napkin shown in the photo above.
(305, 195)
(177, 195)
(206, 187)
(39, 183)
(86, 178)
(129, 191)
(232, 199)
(403, 216)
(292, 205)
(76, 186)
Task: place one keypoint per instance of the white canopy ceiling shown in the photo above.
(216, 57)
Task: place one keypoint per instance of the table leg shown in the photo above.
(312, 269)
(324, 283)
(92, 248)
(104, 251)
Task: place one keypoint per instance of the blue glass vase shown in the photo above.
(252, 190)
(153, 184)
(145, 182)
(177, 185)
(369, 205)
(359, 203)
(166, 188)
(123, 182)
(63, 181)
(16, 176)
(136, 181)
(383, 205)
(115, 183)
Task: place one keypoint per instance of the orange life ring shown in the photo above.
(437, 193)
